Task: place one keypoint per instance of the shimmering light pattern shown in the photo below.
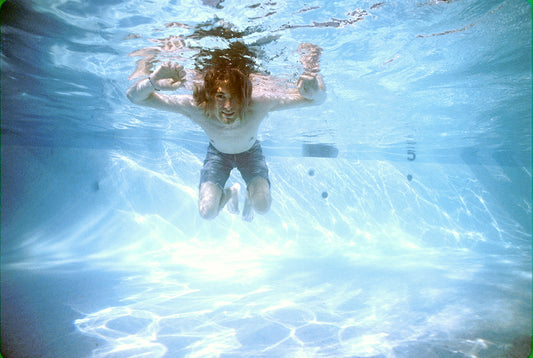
(413, 240)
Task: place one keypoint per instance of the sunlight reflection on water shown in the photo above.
(304, 307)
(415, 241)
(381, 267)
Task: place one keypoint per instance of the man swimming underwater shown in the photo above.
(230, 113)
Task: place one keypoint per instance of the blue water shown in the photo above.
(413, 241)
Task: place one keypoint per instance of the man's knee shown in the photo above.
(208, 212)
(259, 192)
(261, 204)
(209, 201)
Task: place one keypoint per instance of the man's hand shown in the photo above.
(168, 77)
(311, 86)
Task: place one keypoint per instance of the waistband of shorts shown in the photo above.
(254, 146)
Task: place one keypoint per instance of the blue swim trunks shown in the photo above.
(218, 166)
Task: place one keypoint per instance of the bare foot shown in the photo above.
(233, 194)
(248, 211)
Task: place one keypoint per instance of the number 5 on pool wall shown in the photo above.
(411, 155)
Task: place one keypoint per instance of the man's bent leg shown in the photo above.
(212, 199)
(259, 194)
(209, 200)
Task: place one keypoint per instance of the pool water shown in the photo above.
(401, 215)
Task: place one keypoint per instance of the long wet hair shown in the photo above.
(237, 82)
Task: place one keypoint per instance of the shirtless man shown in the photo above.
(230, 114)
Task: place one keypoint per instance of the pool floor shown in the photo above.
(104, 255)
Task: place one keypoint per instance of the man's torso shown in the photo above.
(236, 137)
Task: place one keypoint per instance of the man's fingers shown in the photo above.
(169, 75)
(306, 79)
(307, 75)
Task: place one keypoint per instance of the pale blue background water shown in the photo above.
(104, 254)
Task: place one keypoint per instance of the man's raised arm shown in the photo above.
(167, 77)
(309, 91)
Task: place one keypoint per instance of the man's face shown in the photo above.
(227, 107)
